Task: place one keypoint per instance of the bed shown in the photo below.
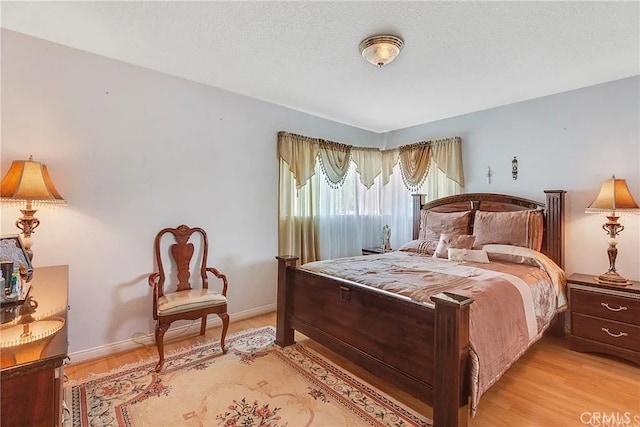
(421, 345)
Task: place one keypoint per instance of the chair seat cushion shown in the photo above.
(191, 299)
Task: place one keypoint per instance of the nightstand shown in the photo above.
(604, 318)
(373, 251)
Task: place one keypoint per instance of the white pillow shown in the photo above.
(468, 255)
(449, 240)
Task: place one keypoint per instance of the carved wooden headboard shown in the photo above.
(553, 211)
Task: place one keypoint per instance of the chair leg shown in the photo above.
(203, 325)
(160, 330)
(225, 326)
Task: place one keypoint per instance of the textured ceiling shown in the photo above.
(458, 57)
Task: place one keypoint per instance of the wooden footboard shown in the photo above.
(423, 348)
(399, 339)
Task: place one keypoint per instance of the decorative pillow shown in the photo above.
(433, 224)
(521, 228)
(426, 247)
(449, 240)
(469, 255)
(513, 259)
(528, 256)
(513, 254)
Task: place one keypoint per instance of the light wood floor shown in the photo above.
(549, 386)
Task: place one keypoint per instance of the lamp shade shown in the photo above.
(380, 50)
(29, 181)
(614, 196)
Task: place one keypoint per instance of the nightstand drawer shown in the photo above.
(606, 331)
(610, 307)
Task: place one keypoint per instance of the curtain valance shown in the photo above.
(300, 153)
(447, 155)
(414, 164)
(334, 159)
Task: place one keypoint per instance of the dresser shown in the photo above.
(33, 346)
(604, 318)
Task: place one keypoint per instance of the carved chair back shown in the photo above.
(181, 253)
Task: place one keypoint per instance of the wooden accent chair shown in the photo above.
(184, 301)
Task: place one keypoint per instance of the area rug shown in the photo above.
(255, 384)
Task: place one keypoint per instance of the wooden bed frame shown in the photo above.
(422, 348)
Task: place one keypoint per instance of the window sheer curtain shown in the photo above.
(352, 217)
(334, 199)
(438, 184)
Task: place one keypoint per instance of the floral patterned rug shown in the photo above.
(255, 384)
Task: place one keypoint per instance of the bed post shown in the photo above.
(555, 225)
(284, 332)
(554, 232)
(417, 205)
(451, 360)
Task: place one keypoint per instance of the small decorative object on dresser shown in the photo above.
(605, 318)
(12, 249)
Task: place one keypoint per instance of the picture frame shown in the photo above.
(12, 249)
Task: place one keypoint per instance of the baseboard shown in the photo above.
(149, 339)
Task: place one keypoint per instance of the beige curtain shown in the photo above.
(368, 164)
(447, 155)
(371, 163)
(298, 201)
(335, 160)
(389, 161)
(297, 217)
(415, 160)
(299, 152)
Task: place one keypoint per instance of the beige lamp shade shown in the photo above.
(614, 196)
(28, 181)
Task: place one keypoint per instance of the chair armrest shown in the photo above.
(154, 282)
(221, 276)
(153, 279)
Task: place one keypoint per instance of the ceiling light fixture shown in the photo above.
(380, 50)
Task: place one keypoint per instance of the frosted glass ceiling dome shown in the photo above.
(381, 50)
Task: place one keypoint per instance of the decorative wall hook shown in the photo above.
(514, 168)
(489, 174)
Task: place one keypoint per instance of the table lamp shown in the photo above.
(29, 181)
(614, 197)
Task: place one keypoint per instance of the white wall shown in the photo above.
(134, 151)
(570, 141)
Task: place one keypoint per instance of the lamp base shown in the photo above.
(612, 278)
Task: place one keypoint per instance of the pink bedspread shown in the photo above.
(513, 303)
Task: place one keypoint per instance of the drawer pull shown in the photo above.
(620, 308)
(618, 335)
